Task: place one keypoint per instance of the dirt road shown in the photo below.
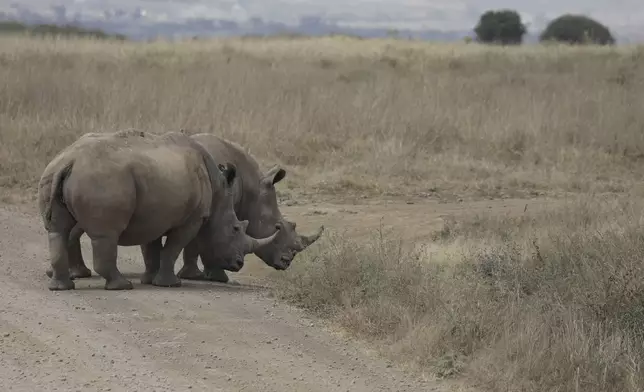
(200, 337)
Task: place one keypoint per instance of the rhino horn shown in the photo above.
(256, 243)
(306, 241)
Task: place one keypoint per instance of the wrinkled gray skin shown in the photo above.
(255, 200)
(132, 188)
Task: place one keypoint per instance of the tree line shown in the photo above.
(505, 27)
(13, 27)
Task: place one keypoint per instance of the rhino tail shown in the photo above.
(56, 190)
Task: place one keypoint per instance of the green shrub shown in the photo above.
(501, 27)
(577, 29)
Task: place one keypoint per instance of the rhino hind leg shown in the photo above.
(175, 242)
(77, 267)
(60, 225)
(151, 256)
(105, 251)
(190, 269)
(60, 279)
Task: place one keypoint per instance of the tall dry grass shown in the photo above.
(343, 115)
(543, 302)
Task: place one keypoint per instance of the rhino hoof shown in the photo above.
(119, 284)
(147, 277)
(190, 273)
(57, 284)
(166, 281)
(74, 272)
(80, 272)
(216, 275)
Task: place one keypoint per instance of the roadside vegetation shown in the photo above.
(547, 301)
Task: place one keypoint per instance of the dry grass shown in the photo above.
(539, 303)
(344, 115)
(542, 302)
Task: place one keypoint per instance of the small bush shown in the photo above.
(502, 27)
(556, 305)
(577, 29)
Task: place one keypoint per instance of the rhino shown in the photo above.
(132, 188)
(255, 201)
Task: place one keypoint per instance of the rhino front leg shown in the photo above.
(190, 269)
(215, 274)
(105, 251)
(151, 257)
(175, 241)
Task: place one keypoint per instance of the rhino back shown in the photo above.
(157, 182)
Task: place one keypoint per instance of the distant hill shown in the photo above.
(13, 27)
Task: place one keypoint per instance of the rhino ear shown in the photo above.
(274, 175)
(230, 172)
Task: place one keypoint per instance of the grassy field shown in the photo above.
(543, 302)
(345, 115)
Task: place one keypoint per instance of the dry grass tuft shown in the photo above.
(344, 115)
(544, 302)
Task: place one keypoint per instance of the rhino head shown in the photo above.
(223, 240)
(265, 218)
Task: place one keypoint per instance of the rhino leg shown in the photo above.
(77, 267)
(190, 269)
(60, 225)
(105, 251)
(60, 279)
(151, 255)
(215, 274)
(175, 241)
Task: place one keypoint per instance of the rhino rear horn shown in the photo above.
(256, 243)
(309, 240)
(274, 175)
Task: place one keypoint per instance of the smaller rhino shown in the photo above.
(133, 188)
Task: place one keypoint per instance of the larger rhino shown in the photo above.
(132, 188)
(255, 200)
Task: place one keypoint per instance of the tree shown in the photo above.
(577, 29)
(501, 27)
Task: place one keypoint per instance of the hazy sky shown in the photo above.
(440, 14)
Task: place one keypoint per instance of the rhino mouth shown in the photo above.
(284, 263)
(237, 264)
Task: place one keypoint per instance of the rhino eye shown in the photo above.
(236, 228)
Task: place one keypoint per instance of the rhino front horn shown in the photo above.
(308, 240)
